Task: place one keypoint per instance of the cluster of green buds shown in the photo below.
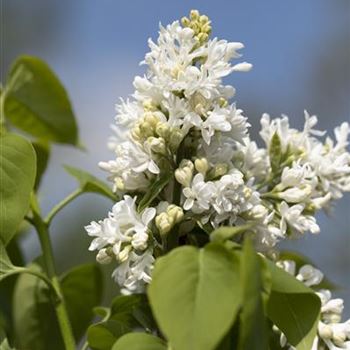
(157, 134)
(167, 220)
(200, 24)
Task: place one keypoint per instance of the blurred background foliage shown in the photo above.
(301, 56)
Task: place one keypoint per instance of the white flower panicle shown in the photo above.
(183, 158)
(126, 237)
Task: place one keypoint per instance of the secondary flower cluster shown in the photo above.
(333, 334)
(183, 159)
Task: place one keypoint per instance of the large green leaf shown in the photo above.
(254, 279)
(195, 295)
(36, 325)
(17, 176)
(82, 289)
(90, 183)
(36, 102)
(293, 307)
(139, 341)
(35, 322)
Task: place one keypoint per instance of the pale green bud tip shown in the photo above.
(201, 165)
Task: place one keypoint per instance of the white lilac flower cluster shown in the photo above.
(333, 334)
(184, 160)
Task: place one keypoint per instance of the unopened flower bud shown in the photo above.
(325, 331)
(164, 223)
(124, 254)
(203, 19)
(185, 163)
(202, 37)
(185, 21)
(201, 165)
(194, 14)
(175, 138)
(223, 102)
(157, 145)
(151, 119)
(258, 212)
(220, 170)
(149, 106)
(175, 212)
(339, 336)
(103, 257)
(119, 184)
(295, 194)
(136, 133)
(163, 130)
(146, 129)
(184, 176)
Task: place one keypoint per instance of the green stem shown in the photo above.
(61, 205)
(61, 311)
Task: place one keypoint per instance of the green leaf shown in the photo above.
(17, 176)
(293, 307)
(102, 336)
(139, 341)
(195, 295)
(127, 312)
(253, 327)
(82, 289)
(34, 317)
(37, 103)
(275, 152)
(224, 233)
(300, 260)
(89, 183)
(154, 190)
(42, 150)
(133, 310)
